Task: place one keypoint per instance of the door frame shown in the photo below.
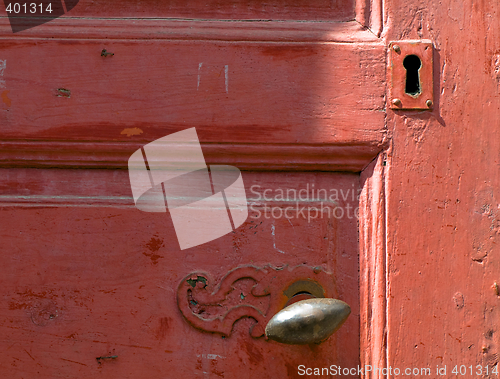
(365, 157)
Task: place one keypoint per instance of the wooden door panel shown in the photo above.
(438, 170)
(230, 91)
(100, 280)
(326, 10)
(93, 286)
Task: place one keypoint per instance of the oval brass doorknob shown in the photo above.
(307, 321)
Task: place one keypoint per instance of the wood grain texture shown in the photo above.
(273, 92)
(444, 193)
(215, 30)
(232, 92)
(372, 265)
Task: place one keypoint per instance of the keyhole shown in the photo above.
(412, 65)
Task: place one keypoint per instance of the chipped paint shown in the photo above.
(226, 77)
(131, 132)
(496, 289)
(105, 53)
(3, 65)
(199, 75)
(210, 356)
(6, 99)
(63, 92)
(154, 245)
(273, 233)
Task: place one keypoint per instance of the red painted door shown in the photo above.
(294, 96)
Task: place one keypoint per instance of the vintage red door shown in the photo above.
(95, 286)
(346, 192)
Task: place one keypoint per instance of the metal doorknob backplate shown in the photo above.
(268, 292)
(307, 321)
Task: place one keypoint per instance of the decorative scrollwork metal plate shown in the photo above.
(247, 291)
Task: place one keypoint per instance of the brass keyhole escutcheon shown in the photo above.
(411, 78)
